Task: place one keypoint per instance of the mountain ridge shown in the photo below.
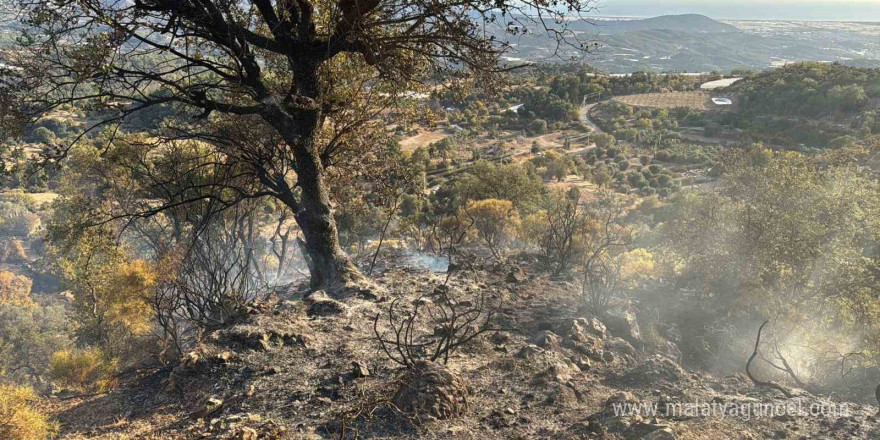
(682, 22)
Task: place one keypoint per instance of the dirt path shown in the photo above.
(585, 117)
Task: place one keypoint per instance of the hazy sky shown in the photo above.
(846, 10)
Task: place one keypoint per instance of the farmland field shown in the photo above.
(694, 100)
(422, 139)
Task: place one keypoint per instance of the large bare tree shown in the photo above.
(289, 83)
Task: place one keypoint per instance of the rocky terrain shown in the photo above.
(304, 366)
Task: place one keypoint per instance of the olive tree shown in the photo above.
(282, 88)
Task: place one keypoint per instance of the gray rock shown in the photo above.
(529, 351)
(594, 327)
(620, 345)
(211, 406)
(670, 349)
(247, 433)
(622, 321)
(608, 356)
(359, 369)
(654, 369)
(547, 340)
(515, 275)
(660, 434)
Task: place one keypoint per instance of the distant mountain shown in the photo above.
(696, 43)
(671, 50)
(684, 23)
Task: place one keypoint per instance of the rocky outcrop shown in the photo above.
(586, 328)
(655, 369)
(622, 322)
(547, 340)
(261, 336)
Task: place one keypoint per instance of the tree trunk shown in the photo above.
(329, 265)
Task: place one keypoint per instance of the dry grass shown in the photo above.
(38, 198)
(422, 139)
(694, 100)
(44, 197)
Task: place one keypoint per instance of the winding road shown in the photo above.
(585, 117)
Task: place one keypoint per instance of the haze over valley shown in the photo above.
(696, 43)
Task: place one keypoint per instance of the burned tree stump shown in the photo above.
(430, 390)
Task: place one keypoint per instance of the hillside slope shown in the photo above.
(696, 43)
(281, 373)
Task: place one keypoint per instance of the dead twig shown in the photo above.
(756, 381)
(454, 324)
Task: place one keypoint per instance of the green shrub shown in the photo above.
(538, 126)
(19, 420)
(89, 370)
(603, 140)
(42, 135)
(15, 289)
(16, 220)
(664, 180)
(636, 180)
(12, 251)
(29, 335)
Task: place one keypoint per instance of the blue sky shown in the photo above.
(837, 10)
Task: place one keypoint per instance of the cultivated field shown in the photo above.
(694, 100)
(422, 139)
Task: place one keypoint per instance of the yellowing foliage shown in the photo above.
(18, 418)
(494, 221)
(133, 281)
(16, 220)
(110, 292)
(637, 265)
(15, 289)
(531, 227)
(12, 250)
(88, 370)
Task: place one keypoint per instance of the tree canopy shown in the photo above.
(287, 88)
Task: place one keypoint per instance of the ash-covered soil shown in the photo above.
(310, 368)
